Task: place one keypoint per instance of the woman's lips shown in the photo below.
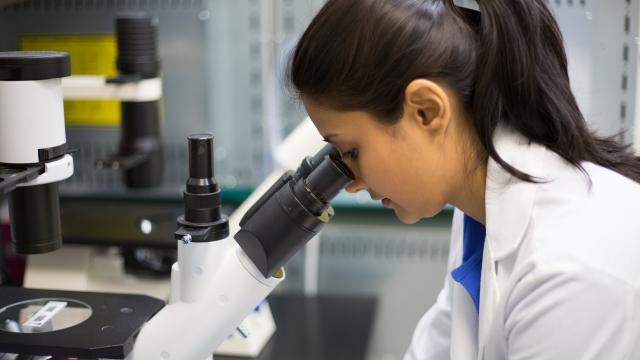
(386, 203)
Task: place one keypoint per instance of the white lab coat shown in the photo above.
(560, 271)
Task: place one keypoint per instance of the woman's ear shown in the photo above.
(428, 105)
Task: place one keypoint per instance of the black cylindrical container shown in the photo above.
(35, 219)
(141, 135)
(137, 45)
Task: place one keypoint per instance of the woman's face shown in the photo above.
(403, 165)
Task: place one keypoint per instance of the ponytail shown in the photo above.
(506, 64)
(522, 81)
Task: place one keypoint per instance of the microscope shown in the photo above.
(33, 146)
(218, 279)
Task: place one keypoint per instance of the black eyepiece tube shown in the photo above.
(202, 207)
(201, 179)
(201, 156)
(331, 176)
(327, 150)
(293, 214)
(311, 162)
(35, 219)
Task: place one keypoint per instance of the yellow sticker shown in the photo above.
(90, 55)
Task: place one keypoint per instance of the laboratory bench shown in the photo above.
(319, 328)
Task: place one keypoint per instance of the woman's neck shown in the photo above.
(471, 197)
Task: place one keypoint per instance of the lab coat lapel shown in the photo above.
(489, 296)
(508, 205)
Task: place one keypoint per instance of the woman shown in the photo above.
(432, 104)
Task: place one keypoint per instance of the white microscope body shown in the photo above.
(218, 280)
(208, 300)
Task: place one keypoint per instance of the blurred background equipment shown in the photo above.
(33, 146)
(138, 87)
(222, 63)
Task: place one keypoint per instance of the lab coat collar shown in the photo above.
(509, 200)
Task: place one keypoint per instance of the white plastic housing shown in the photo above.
(92, 87)
(199, 263)
(194, 329)
(54, 171)
(31, 118)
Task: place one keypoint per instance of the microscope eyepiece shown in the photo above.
(202, 194)
(311, 162)
(201, 156)
(331, 176)
(293, 211)
(324, 182)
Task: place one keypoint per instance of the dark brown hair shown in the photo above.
(506, 63)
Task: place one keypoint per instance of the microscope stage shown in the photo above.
(70, 323)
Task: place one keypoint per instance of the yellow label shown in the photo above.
(90, 55)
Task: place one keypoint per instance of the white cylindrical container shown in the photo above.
(31, 106)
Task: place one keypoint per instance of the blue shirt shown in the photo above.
(468, 273)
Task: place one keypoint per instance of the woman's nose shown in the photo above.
(356, 185)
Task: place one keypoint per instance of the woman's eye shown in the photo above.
(351, 154)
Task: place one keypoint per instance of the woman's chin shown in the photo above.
(406, 217)
(409, 218)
